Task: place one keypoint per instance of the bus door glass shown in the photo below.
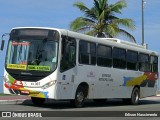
(68, 66)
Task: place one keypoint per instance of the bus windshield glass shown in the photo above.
(32, 53)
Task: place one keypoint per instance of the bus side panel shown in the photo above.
(66, 86)
(147, 91)
(87, 74)
(104, 82)
(110, 84)
(119, 83)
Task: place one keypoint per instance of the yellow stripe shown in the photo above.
(136, 81)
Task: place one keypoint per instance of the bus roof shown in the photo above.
(114, 42)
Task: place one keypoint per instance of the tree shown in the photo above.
(101, 20)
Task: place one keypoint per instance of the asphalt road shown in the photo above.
(149, 105)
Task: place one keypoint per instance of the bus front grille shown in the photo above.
(26, 77)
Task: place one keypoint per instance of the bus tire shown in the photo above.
(79, 98)
(135, 96)
(38, 101)
(134, 100)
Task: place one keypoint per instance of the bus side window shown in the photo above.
(132, 60)
(68, 59)
(119, 58)
(144, 64)
(104, 56)
(87, 52)
(154, 63)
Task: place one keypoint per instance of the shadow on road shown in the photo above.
(51, 104)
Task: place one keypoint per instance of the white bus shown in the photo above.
(49, 63)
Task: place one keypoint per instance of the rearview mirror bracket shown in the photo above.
(3, 41)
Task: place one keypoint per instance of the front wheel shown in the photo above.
(38, 101)
(79, 98)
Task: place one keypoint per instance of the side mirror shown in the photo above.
(2, 45)
(3, 41)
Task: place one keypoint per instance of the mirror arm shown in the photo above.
(3, 41)
(5, 34)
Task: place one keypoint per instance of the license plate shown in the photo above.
(25, 92)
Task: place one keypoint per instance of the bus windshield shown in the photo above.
(31, 54)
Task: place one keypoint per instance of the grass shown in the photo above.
(1, 94)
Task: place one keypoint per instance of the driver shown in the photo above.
(48, 57)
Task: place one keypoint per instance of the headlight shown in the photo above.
(49, 84)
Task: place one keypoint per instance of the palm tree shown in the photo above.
(101, 20)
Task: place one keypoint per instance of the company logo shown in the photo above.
(24, 73)
(21, 114)
(90, 74)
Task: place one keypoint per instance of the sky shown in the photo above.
(60, 13)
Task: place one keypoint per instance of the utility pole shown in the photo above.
(143, 22)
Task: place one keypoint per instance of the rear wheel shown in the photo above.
(38, 101)
(79, 97)
(134, 100)
(135, 96)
